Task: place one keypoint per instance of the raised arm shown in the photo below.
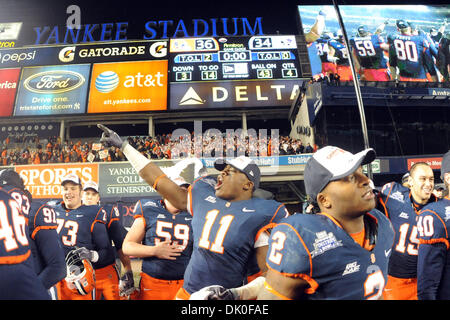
(147, 170)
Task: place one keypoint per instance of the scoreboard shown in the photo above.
(233, 58)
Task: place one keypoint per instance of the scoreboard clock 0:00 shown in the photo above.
(233, 58)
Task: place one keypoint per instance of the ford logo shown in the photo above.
(56, 81)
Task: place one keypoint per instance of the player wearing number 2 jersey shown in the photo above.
(401, 205)
(410, 55)
(341, 252)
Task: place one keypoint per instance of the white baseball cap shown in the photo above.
(330, 164)
(71, 177)
(91, 185)
(243, 164)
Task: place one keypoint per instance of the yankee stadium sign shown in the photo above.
(160, 29)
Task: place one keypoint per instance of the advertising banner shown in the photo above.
(128, 87)
(434, 163)
(8, 85)
(120, 180)
(231, 94)
(83, 53)
(52, 90)
(44, 181)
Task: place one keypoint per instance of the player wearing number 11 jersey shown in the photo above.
(228, 223)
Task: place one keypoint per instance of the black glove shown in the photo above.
(214, 292)
(126, 284)
(87, 254)
(110, 138)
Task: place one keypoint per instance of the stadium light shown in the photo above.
(356, 85)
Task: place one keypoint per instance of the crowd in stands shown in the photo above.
(53, 150)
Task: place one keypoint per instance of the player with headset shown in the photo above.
(228, 224)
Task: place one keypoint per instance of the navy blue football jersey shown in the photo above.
(160, 226)
(340, 52)
(411, 54)
(322, 49)
(18, 279)
(224, 235)
(433, 267)
(369, 52)
(49, 259)
(85, 227)
(396, 203)
(316, 248)
(116, 230)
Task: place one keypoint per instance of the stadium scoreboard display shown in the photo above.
(233, 58)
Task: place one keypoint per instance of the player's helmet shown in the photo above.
(80, 274)
(362, 31)
(402, 24)
(11, 178)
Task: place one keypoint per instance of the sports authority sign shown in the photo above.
(226, 94)
(44, 181)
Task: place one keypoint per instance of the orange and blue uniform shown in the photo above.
(317, 249)
(433, 269)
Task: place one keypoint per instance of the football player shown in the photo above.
(82, 227)
(433, 273)
(46, 250)
(338, 54)
(341, 252)
(228, 223)
(369, 51)
(18, 278)
(328, 67)
(443, 59)
(402, 205)
(162, 236)
(105, 284)
(409, 56)
(314, 49)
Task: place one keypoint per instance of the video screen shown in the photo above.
(388, 42)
